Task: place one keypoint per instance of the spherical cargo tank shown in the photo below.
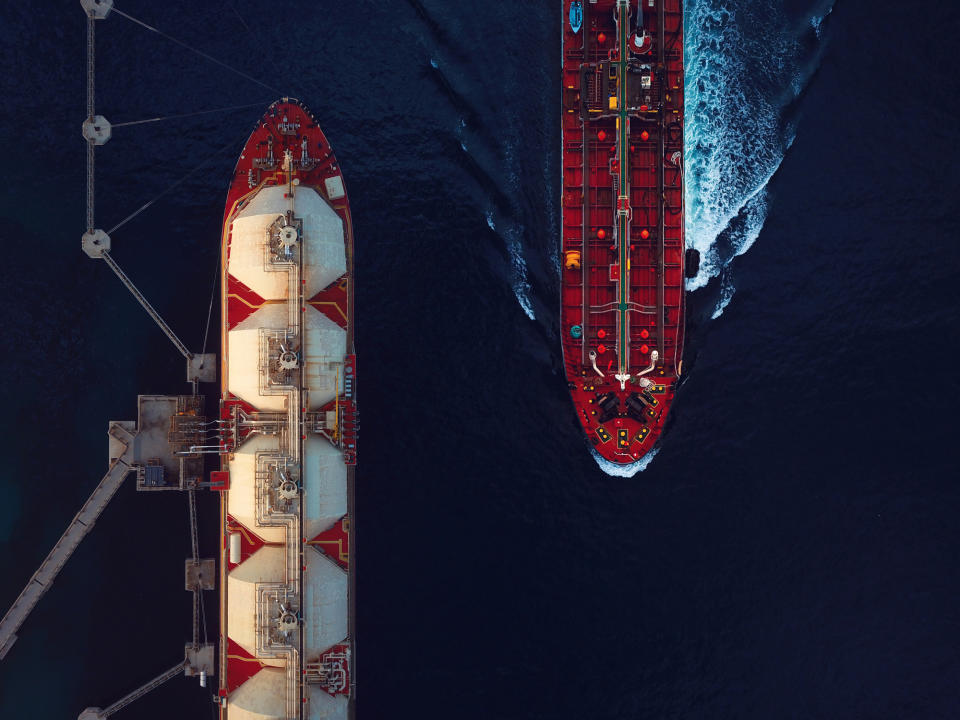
(288, 407)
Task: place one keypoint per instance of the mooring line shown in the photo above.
(195, 50)
(191, 114)
(211, 156)
(213, 291)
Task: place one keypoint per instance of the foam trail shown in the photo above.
(513, 232)
(739, 58)
(726, 295)
(616, 470)
(514, 239)
(742, 233)
(521, 286)
(731, 133)
(740, 55)
(816, 22)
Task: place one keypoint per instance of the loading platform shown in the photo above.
(160, 449)
(166, 446)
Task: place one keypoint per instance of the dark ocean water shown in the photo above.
(790, 552)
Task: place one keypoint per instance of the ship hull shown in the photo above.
(623, 252)
(288, 424)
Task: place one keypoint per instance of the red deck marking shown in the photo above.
(231, 400)
(335, 542)
(646, 124)
(241, 301)
(241, 666)
(250, 542)
(332, 301)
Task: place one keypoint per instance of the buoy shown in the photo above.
(601, 38)
(601, 233)
(644, 135)
(644, 334)
(601, 333)
(643, 108)
(601, 349)
(601, 135)
(572, 259)
(644, 233)
(644, 349)
(576, 332)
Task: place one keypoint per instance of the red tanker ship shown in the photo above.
(623, 256)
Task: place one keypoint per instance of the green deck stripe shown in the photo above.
(624, 169)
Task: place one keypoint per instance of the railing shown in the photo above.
(146, 305)
(143, 690)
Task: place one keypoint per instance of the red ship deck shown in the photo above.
(285, 126)
(622, 302)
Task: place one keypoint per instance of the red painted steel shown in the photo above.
(286, 125)
(622, 263)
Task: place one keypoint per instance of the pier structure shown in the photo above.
(165, 447)
(121, 464)
(159, 450)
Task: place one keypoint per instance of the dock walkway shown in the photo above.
(82, 523)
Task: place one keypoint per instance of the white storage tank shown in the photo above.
(324, 486)
(266, 565)
(242, 495)
(262, 697)
(235, 548)
(323, 249)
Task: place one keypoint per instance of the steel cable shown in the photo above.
(131, 216)
(256, 40)
(213, 291)
(195, 50)
(190, 114)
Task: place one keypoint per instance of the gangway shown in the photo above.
(156, 448)
(79, 527)
(95, 713)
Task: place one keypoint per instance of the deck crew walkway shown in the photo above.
(82, 523)
(623, 194)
